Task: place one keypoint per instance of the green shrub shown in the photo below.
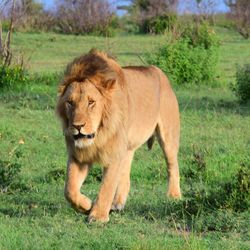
(159, 24)
(200, 35)
(196, 170)
(132, 28)
(110, 29)
(242, 86)
(185, 64)
(107, 32)
(55, 175)
(95, 175)
(12, 76)
(239, 189)
(5, 25)
(191, 58)
(8, 173)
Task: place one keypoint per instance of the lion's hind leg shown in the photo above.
(124, 183)
(169, 141)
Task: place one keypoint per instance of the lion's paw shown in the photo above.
(174, 195)
(101, 219)
(117, 207)
(92, 219)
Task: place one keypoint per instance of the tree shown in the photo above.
(143, 11)
(5, 50)
(153, 8)
(83, 16)
(206, 8)
(32, 16)
(240, 14)
(29, 15)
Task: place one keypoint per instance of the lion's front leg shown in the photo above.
(124, 183)
(102, 206)
(76, 174)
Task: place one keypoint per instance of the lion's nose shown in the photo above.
(78, 126)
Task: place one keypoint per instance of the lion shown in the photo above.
(107, 112)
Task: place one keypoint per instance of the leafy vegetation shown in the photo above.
(8, 172)
(151, 16)
(191, 58)
(242, 86)
(12, 76)
(159, 24)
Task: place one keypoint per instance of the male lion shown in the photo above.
(108, 112)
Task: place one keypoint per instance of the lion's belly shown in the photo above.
(138, 136)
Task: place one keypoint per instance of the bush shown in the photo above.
(159, 24)
(239, 189)
(12, 75)
(5, 25)
(190, 58)
(242, 86)
(200, 35)
(184, 64)
(55, 175)
(111, 29)
(83, 17)
(8, 173)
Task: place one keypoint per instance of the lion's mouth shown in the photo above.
(83, 136)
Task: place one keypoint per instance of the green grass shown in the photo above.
(48, 52)
(215, 146)
(51, 52)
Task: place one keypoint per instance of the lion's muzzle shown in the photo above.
(78, 132)
(83, 136)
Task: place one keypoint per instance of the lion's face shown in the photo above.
(83, 105)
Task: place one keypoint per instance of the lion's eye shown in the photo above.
(91, 102)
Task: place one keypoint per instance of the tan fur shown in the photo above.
(122, 108)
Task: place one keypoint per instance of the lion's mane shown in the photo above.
(102, 70)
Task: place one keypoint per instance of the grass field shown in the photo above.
(214, 161)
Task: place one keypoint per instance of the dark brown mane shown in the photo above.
(94, 65)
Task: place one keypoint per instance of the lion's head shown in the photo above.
(85, 96)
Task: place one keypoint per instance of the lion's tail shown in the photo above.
(150, 142)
